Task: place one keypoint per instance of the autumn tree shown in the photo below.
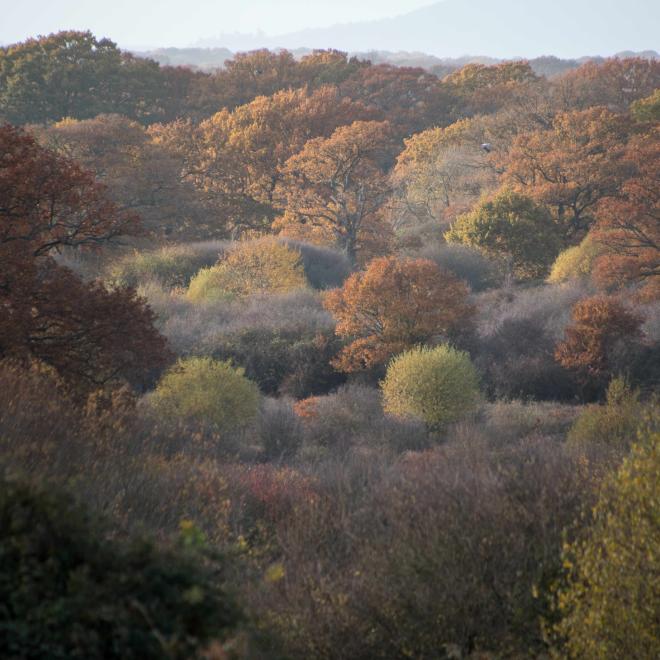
(141, 175)
(571, 166)
(601, 328)
(647, 109)
(609, 602)
(629, 221)
(337, 185)
(410, 98)
(93, 337)
(440, 173)
(206, 391)
(234, 158)
(614, 83)
(263, 266)
(246, 76)
(482, 89)
(394, 305)
(514, 228)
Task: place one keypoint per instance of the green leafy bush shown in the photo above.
(514, 227)
(207, 391)
(438, 385)
(69, 591)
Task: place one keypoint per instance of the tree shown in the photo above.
(252, 267)
(610, 599)
(394, 305)
(613, 425)
(74, 74)
(92, 336)
(141, 175)
(571, 166)
(235, 158)
(647, 109)
(600, 325)
(410, 98)
(208, 392)
(439, 385)
(71, 589)
(513, 227)
(337, 184)
(577, 261)
(482, 89)
(614, 83)
(441, 172)
(629, 222)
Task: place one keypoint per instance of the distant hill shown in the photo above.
(207, 59)
(503, 28)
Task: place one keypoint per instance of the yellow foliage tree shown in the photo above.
(439, 385)
(576, 262)
(207, 391)
(252, 267)
(610, 602)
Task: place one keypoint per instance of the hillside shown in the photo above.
(501, 28)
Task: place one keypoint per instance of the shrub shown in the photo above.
(353, 417)
(207, 391)
(610, 601)
(518, 330)
(438, 385)
(514, 227)
(614, 424)
(68, 590)
(325, 268)
(280, 429)
(253, 267)
(172, 266)
(467, 263)
(286, 361)
(575, 262)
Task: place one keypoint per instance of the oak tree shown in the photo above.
(393, 305)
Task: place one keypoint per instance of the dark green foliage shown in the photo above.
(285, 360)
(69, 591)
(74, 74)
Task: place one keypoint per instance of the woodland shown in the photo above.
(316, 357)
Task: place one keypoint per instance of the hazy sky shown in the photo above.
(135, 23)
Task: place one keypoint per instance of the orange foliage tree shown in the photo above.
(234, 158)
(337, 186)
(614, 83)
(629, 223)
(600, 326)
(393, 305)
(481, 89)
(141, 176)
(571, 166)
(93, 337)
(411, 98)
